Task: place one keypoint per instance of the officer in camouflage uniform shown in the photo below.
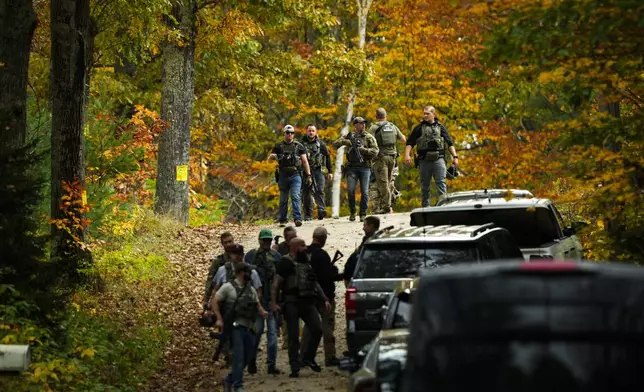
(227, 240)
(264, 260)
(386, 134)
(356, 170)
(291, 157)
(319, 157)
(431, 140)
(243, 306)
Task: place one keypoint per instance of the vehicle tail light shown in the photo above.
(350, 302)
(548, 266)
(366, 386)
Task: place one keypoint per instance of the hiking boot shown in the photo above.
(332, 362)
(352, 217)
(228, 387)
(307, 219)
(274, 370)
(362, 218)
(294, 374)
(298, 223)
(321, 215)
(283, 223)
(252, 368)
(314, 366)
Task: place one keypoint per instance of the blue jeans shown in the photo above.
(271, 337)
(355, 174)
(292, 185)
(243, 343)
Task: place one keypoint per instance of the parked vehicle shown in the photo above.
(381, 364)
(396, 313)
(402, 254)
(536, 224)
(539, 326)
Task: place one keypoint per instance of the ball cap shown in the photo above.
(236, 249)
(265, 234)
(289, 128)
(358, 119)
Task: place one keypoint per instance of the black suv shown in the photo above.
(518, 327)
(396, 255)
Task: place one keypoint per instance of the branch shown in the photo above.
(207, 3)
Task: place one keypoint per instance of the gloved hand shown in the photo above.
(309, 180)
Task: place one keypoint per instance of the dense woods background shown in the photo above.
(105, 103)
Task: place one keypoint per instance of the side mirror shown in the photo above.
(578, 226)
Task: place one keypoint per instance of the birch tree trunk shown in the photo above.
(177, 98)
(363, 13)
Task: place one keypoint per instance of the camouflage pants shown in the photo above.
(382, 190)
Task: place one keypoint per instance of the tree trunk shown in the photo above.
(177, 97)
(17, 25)
(363, 13)
(70, 57)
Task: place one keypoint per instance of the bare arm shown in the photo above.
(277, 282)
(452, 151)
(215, 306)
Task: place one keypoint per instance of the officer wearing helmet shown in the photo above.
(291, 158)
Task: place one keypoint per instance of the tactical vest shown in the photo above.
(386, 135)
(246, 307)
(230, 271)
(289, 158)
(431, 138)
(304, 280)
(316, 159)
(264, 263)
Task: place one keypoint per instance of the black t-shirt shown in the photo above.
(279, 150)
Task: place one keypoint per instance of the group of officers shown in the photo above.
(249, 293)
(370, 153)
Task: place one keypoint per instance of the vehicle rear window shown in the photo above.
(529, 333)
(409, 260)
(530, 227)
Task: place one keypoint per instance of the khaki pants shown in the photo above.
(328, 333)
(382, 169)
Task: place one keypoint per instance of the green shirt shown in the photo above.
(390, 150)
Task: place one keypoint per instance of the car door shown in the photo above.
(569, 245)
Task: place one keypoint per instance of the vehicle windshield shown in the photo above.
(409, 260)
(530, 227)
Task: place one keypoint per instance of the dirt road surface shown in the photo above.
(188, 364)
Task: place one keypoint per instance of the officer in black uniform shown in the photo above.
(319, 157)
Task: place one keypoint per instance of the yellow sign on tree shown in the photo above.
(182, 172)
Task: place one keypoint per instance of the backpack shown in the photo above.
(264, 263)
(431, 138)
(386, 135)
(303, 279)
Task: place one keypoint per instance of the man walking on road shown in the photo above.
(291, 157)
(431, 140)
(227, 240)
(362, 149)
(300, 289)
(319, 157)
(264, 260)
(327, 274)
(387, 135)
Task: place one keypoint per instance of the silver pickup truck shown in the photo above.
(536, 224)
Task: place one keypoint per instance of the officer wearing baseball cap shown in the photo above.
(263, 260)
(362, 150)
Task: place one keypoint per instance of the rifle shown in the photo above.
(314, 185)
(337, 256)
(355, 145)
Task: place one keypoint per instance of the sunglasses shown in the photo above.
(288, 133)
